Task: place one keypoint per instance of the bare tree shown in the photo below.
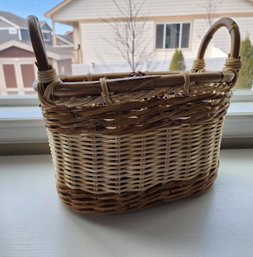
(129, 29)
(210, 7)
(209, 13)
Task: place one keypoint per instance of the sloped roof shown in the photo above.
(19, 21)
(3, 23)
(44, 25)
(49, 13)
(53, 53)
(65, 39)
(68, 37)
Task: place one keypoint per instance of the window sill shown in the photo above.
(35, 223)
(172, 50)
(23, 122)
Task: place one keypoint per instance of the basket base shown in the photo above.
(88, 203)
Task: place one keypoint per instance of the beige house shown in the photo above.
(17, 60)
(171, 24)
(17, 66)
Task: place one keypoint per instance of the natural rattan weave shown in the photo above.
(121, 142)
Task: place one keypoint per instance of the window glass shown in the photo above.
(172, 35)
(159, 35)
(176, 35)
(185, 35)
(28, 75)
(46, 36)
(9, 80)
(9, 74)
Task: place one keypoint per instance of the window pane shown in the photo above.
(159, 35)
(172, 35)
(27, 74)
(10, 75)
(46, 36)
(185, 35)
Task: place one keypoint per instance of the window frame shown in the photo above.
(46, 32)
(180, 36)
(239, 96)
(28, 127)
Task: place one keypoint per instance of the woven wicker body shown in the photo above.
(160, 165)
(123, 143)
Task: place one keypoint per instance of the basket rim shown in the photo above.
(122, 83)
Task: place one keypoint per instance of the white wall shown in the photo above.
(98, 51)
(101, 56)
(222, 39)
(81, 69)
(64, 67)
(97, 39)
(80, 9)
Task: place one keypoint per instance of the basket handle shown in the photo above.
(38, 43)
(233, 61)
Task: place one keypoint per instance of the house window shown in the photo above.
(28, 75)
(17, 78)
(46, 36)
(173, 35)
(13, 31)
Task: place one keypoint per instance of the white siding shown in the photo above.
(97, 52)
(64, 67)
(222, 39)
(100, 56)
(97, 49)
(87, 9)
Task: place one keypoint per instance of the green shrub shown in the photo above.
(177, 62)
(245, 78)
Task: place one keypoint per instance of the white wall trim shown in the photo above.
(9, 22)
(19, 34)
(33, 130)
(26, 125)
(2, 81)
(29, 48)
(22, 131)
(19, 76)
(7, 28)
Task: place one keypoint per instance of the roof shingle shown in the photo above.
(19, 21)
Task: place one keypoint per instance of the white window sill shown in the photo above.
(35, 223)
(21, 119)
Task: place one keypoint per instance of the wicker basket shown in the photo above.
(121, 143)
